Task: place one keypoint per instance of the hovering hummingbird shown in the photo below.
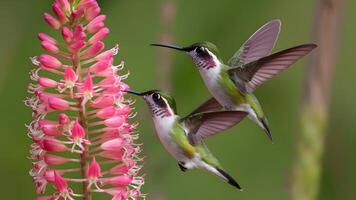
(232, 84)
(182, 137)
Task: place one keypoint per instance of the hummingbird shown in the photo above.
(232, 84)
(183, 137)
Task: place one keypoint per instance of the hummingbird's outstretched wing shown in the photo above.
(253, 74)
(259, 45)
(203, 125)
(209, 105)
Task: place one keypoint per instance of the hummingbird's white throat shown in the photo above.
(207, 62)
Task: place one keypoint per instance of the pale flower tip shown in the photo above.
(49, 61)
(58, 103)
(53, 22)
(101, 34)
(67, 34)
(112, 145)
(94, 170)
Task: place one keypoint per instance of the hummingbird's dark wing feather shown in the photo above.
(259, 45)
(209, 105)
(253, 74)
(203, 125)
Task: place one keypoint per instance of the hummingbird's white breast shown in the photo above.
(211, 78)
(163, 128)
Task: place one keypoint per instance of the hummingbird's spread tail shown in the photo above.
(228, 178)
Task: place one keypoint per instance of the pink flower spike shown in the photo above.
(61, 16)
(76, 46)
(49, 61)
(112, 145)
(80, 114)
(55, 160)
(94, 170)
(45, 37)
(53, 22)
(100, 66)
(94, 49)
(58, 104)
(106, 113)
(67, 34)
(47, 83)
(101, 34)
(50, 47)
(51, 144)
(77, 130)
(118, 181)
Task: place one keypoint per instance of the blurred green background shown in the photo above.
(263, 169)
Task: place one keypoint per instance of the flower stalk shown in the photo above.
(81, 118)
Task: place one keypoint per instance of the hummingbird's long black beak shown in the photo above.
(135, 92)
(171, 47)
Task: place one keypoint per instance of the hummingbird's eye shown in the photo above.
(156, 96)
(200, 50)
(158, 100)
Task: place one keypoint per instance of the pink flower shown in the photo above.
(80, 114)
